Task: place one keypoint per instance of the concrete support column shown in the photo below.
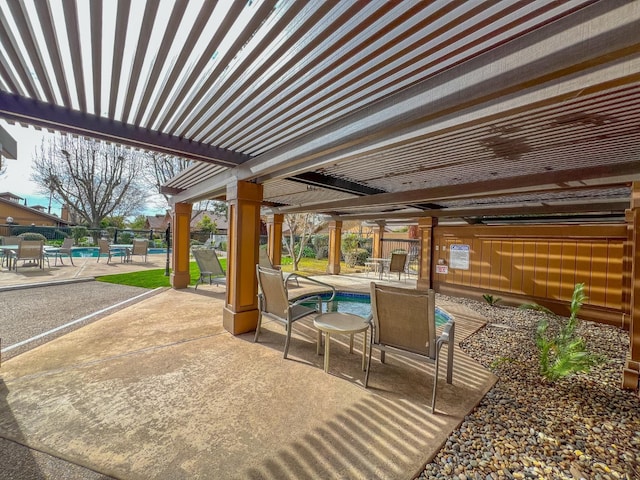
(378, 234)
(180, 244)
(240, 313)
(631, 373)
(335, 244)
(274, 238)
(425, 273)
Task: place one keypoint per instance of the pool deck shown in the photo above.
(141, 395)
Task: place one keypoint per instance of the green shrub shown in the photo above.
(356, 257)
(563, 352)
(321, 245)
(78, 233)
(125, 237)
(32, 236)
(490, 299)
(350, 243)
(308, 252)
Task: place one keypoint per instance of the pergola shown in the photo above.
(358, 110)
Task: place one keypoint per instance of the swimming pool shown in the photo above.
(360, 304)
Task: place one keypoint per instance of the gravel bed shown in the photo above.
(582, 426)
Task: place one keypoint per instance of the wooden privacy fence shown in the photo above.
(536, 263)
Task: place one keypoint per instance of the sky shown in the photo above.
(16, 178)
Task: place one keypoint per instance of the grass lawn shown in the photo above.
(156, 278)
(153, 278)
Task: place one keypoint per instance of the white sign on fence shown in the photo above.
(442, 269)
(459, 256)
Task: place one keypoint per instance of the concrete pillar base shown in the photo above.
(180, 279)
(333, 269)
(239, 322)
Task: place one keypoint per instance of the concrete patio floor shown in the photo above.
(160, 390)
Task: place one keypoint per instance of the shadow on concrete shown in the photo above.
(16, 460)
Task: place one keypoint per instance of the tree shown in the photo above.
(96, 180)
(138, 223)
(160, 168)
(300, 227)
(206, 225)
(115, 222)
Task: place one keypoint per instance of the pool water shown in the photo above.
(360, 304)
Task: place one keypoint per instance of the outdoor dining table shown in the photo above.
(122, 248)
(6, 249)
(55, 253)
(379, 264)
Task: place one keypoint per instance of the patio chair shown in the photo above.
(11, 240)
(65, 249)
(104, 249)
(265, 261)
(209, 266)
(28, 251)
(404, 323)
(273, 302)
(140, 247)
(397, 264)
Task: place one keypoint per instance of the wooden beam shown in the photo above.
(41, 114)
(615, 206)
(503, 186)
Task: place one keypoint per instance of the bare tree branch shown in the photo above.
(96, 180)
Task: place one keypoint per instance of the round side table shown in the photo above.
(336, 322)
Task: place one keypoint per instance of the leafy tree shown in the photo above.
(206, 225)
(300, 227)
(116, 222)
(138, 223)
(96, 180)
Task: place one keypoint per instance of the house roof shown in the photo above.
(5, 199)
(220, 221)
(362, 110)
(158, 221)
(10, 196)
